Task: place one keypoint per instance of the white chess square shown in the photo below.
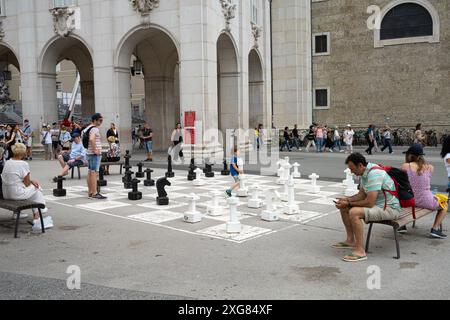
(226, 216)
(247, 233)
(153, 205)
(325, 201)
(323, 194)
(68, 196)
(158, 216)
(103, 205)
(176, 188)
(303, 216)
(116, 195)
(77, 189)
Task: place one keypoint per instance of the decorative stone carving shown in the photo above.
(2, 31)
(63, 21)
(257, 31)
(229, 12)
(144, 7)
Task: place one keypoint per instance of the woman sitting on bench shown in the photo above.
(113, 154)
(420, 174)
(17, 184)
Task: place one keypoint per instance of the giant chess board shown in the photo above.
(312, 206)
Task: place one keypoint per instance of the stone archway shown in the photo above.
(158, 53)
(9, 80)
(256, 90)
(227, 86)
(76, 51)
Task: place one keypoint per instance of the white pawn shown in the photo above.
(280, 165)
(291, 207)
(269, 214)
(214, 209)
(314, 187)
(242, 192)
(199, 181)
(287, 171)
(193, 215)
(348, 177)
(255, 202)
(234, 225)
(296, 174)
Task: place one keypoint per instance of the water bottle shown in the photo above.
(435, 190)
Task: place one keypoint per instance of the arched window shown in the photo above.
(406, 20)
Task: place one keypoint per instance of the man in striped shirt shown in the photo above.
(94, 155)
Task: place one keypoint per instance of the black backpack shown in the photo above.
(85, 138)
(1, 171)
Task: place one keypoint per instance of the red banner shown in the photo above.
(189, 127)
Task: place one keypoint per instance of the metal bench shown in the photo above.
(18, 206)
(406, 217)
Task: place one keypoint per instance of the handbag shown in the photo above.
(43, 139)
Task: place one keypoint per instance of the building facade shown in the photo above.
(210, 57)
(385, 62)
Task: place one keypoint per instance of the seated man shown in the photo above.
(374, 202)
(76, 157)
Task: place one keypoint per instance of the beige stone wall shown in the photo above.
(406, 83)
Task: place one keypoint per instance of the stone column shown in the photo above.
(87, 98)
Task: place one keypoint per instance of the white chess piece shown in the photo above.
(199, 181)
(255, 202)
(279, 170)
(269, 214)
(193, 215)
(287, 171)
(234, 225)
(242, 192)
(351, 188)
(291, 207)
(314, 187)
(296, 174)
(348, 177)
(214, 209)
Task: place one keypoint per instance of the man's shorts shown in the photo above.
(149, 146)
(29, 142)
(94, 162)
(76, 163)
(237, 179)
(377, 214)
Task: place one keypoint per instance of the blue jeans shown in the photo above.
(387, 144)
(285, 143)
(319, 144)
(94, 162)
(337, 143)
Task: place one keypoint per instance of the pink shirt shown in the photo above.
(319, 133)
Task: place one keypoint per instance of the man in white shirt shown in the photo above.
(348, 139)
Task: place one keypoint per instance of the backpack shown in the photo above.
(85, 138)
(403, 191)
(1, 171)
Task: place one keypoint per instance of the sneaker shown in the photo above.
(98, 196)
(22, 216)
(437, 234)
(402, 230)
(45, 210)
(228, 192)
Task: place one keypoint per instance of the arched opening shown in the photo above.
(255, 90)
(10, 87)
(67, 75)
(153, 59)
(227, 86)
(407, 20)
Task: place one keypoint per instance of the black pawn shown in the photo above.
(169, 173)
(225, 171)
(59, 191)
(128, 184)
(127, 158)
(140, 174)
(208, 171)
(192, 167)
(149, 182)
(101, 180)
(135, 194)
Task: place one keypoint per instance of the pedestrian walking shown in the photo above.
(387, 140)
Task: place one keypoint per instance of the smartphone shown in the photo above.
(335, 201)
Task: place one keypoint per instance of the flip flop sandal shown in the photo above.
(342, 245)
(354, 258)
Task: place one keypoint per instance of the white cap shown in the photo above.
(349, 125)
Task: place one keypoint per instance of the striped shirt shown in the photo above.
(378, 180)
(98, 143)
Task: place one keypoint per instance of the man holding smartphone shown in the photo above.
(374, 202)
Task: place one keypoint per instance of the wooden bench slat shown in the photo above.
(20, 205)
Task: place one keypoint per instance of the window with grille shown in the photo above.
(64, 3)
(406, 20)
(322, 97)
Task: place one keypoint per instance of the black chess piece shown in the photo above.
(135, 194)
(192, 167)
(149, 182)
(225, 171)
(59, 191)
(128, 183)
(208, 170)
(169, 173)
(127, 158)
(162, 199)
(140, 174)
(101, 180)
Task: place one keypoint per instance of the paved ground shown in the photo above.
(155, 255)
